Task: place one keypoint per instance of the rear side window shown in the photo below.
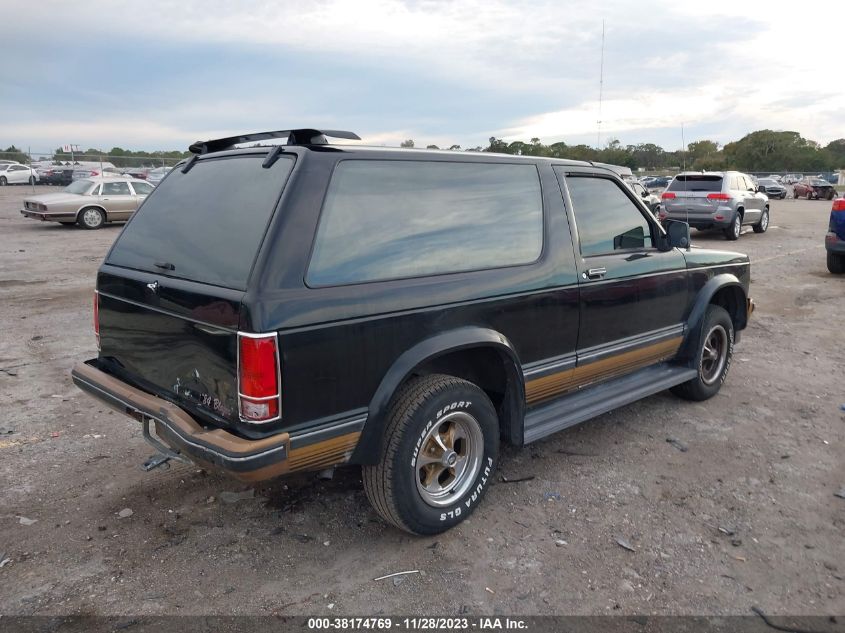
(696, 182)
(206, 225)
(395, 219)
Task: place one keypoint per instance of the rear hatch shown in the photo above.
(693, 194)
(170, 291)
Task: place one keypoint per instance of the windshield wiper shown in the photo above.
(165, 265)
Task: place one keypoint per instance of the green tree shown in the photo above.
(408, 143)
(496, 145)
(13, 153)
(836, 153)
(431, 147)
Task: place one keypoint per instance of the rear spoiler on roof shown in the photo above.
(305, 136)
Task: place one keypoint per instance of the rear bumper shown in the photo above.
(833, 244)
(49, 217)
(327, 443)
(247, 460)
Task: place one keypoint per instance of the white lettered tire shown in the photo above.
(439, 454)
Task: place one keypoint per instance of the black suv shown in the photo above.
(297, 307)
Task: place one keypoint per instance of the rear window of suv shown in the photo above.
(397, 219)
(696, 182)
(206, 225)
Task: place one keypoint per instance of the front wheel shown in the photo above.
(733, 231)
(3, 181)
(440, 450)
(830, 195)
(713, 358)
(32, 180)
(836, 263)
(763, 224)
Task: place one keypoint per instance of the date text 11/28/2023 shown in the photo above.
(417, 624)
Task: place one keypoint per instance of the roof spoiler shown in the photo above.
(305, 136)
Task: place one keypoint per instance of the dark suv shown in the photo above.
(275, 309)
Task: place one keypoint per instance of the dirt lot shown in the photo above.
(763, 460)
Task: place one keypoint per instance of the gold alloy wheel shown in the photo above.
(449, 459)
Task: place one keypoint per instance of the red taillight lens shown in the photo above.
(838, 205)
(97, 317)
(258, 378)
(667, 195)
(718, 196)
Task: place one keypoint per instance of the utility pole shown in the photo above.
(601, 87)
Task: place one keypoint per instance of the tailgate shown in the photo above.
(172, 338)
(171, 289)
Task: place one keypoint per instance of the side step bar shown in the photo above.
(592, 401)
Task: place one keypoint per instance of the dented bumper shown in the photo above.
(326, 444)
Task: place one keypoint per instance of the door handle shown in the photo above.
(595, 273)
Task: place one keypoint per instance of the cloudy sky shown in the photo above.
(159, 75)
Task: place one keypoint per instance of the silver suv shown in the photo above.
(716, 200)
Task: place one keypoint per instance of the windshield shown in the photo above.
(80, 187)
(767, 182)
(818, 182)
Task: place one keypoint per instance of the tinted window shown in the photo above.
(393, 219)
(142, 188)
(606, 218)
(696, 182)
(116, 189)
(208, 224)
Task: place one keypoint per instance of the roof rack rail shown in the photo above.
(304, 136)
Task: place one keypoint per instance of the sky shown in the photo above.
(159, 75)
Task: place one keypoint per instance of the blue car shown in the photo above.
(834, 241)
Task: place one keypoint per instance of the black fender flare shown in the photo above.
(368, 450)
(699, 308)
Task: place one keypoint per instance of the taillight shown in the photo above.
(259, 392)
(97, 318)
(667, 195)
(718, 196)
(838, 205)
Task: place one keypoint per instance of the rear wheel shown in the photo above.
(836, 263)
(91, 218)
(763, 224)
(32, 180)
(713, 359)
(733, 231)
(440, 450)
(830, 195)
(810, 195)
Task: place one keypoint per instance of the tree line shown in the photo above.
(763, 150)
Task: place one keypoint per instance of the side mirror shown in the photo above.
(677, 235)
(645, 193)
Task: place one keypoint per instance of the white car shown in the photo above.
(17, 174)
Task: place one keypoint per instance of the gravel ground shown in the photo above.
(738, 511)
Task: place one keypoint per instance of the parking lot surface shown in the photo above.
(663, 506)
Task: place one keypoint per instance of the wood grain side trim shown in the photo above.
(555, 384)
